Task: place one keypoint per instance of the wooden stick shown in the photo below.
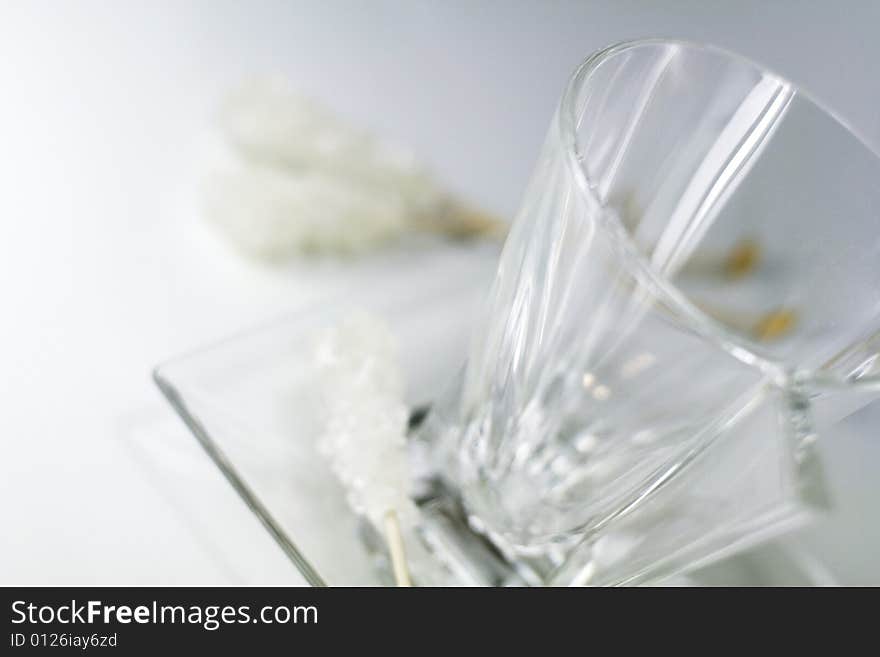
(461, 222)
(775, 324)
(743, 259)
(395, 547)
(767, 327)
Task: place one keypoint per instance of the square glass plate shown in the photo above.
(248, 402)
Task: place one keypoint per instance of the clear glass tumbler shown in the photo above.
(700, 242)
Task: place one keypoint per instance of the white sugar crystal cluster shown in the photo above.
(300, 179)
(272, 214)
(361, 385)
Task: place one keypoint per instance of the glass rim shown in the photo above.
(739, 347)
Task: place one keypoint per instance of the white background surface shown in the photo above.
(104, 269)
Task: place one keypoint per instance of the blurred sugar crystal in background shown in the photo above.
(296, 179)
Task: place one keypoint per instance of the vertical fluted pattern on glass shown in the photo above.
(616, 338)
